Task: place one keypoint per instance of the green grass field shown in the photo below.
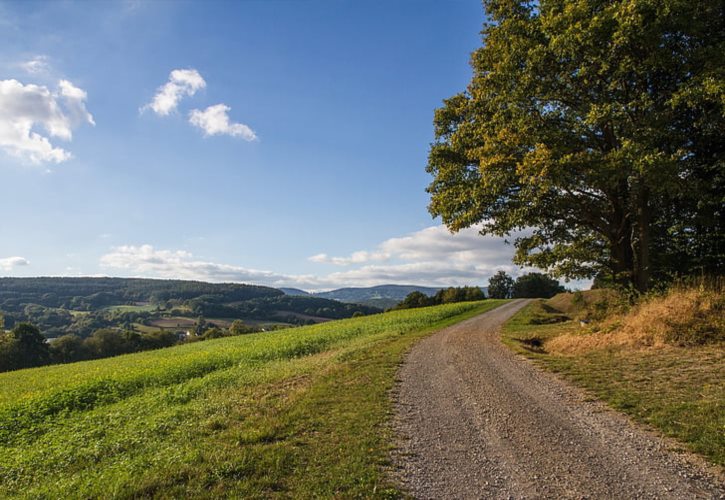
(299, 412)
(677, 390)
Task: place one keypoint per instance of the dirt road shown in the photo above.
(477, 421)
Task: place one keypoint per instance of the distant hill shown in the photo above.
(87, 294)
(382, 296)
(82, 305)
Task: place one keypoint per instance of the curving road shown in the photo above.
(477, 421)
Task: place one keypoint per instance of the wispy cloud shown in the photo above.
(182, 82)
(214, 120)
(145, 260)
(9, 263)
(359, 257)
(432, 256)
(25, 107)
(432, 244)
(36, 65)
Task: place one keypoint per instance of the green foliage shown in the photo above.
(93, 293)
(109, 342)
(500, 286)
(599, 125)
(443, 296)
(458, 294)
(68, 348)
(535, 285)
(238, 327)
(200, 326)
(157, 340)
(23, 347)
(214, 333)
(415, 299)
(293, 308)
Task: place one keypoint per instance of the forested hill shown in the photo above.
(91, 293)
(80, 306)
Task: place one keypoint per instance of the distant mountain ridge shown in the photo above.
(382, 296)
(375, 292)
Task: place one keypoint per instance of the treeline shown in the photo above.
(500, 286)
(444, 296)
(279, 307)
(526, 286)
(25, 347)
(55, 322)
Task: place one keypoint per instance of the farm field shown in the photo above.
(299, 411)
(137, 308)
(184, 322)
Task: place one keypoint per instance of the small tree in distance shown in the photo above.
(415, 299)
(536, 285)
(500, 286)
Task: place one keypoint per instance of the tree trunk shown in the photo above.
(642, 270)
(620, 237)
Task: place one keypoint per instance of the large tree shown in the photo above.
(597, 125)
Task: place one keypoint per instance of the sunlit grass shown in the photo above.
(298, 412)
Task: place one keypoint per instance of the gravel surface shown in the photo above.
(475, 420)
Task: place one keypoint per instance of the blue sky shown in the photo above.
(288, 146)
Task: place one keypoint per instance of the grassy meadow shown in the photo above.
(299, 412)
(643, 362)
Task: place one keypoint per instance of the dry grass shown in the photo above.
(682, 317)
(676, 389)
(584, 304)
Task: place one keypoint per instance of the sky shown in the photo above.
(274, 142)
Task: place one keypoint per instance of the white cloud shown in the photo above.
(182, 82)
(359, 257)
(214, 120)
(145, 260)
(24, 108)
(8, 263)
(37, 65)
(432, 256)
(74, 99)
(431, 244)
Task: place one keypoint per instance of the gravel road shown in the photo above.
(475, 420)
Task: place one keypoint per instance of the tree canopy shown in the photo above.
(23, 347)
(535, 285)
(500, 285)
(596, 126)
(443, 296)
